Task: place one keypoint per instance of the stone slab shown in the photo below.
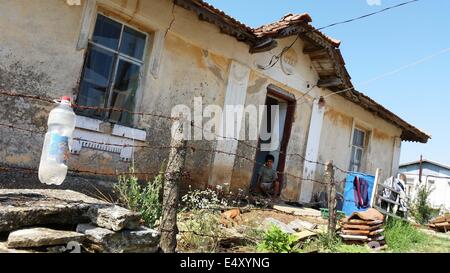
(41, 237)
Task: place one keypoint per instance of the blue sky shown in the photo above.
(380, 44)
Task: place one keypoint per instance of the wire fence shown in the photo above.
(186, 174)
(257, 148)
(190, 147)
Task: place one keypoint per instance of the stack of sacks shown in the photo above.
(363, 227)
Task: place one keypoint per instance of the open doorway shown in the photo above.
(278, 128)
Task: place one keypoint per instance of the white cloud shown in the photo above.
(374, 2)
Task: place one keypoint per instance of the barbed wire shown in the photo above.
(96, 108)
(193, 148)
(157, 115)
(189, 147)
(32, 97)
(75, 171)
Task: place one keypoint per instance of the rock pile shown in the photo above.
(67, 221)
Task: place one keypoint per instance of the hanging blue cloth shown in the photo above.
(358, 192)
(361, 192)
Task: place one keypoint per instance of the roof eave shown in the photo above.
(227, 24)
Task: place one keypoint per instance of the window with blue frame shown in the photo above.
(112, 71)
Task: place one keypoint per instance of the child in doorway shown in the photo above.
(268, 178)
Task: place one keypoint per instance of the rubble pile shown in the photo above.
(363, 227)
(441, 223)
(68, 221)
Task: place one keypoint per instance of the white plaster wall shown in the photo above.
(340, 117)
(41, 36)
(440, 195)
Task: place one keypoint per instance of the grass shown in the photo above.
(434, 244)
(327, 245)
(401, 236)
(343, 248)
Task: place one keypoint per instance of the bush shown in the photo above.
(145, 200)
(200, 231)
(421, 210)
(402, 236)
(277, 241)
(200, 221)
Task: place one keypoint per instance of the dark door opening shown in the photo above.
(278, 139)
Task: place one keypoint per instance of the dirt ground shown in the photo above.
(260, 215)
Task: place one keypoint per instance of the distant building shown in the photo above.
(435, 175)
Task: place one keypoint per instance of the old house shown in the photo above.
(150, 56)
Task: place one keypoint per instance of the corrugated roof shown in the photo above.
(425, 161)
(299, 24)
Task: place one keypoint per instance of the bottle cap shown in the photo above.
(66, 100)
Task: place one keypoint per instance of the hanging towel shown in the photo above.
(361, 192)
(351, 202)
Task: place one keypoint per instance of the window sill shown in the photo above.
(99, 135)
(100, 126)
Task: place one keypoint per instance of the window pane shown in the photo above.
(98, 67)
(92, 95)
(95, 79)
(107, 32)
(358, 138)
(352, 156)
(358, 156)
(133, 43)
(124, 92)
(355, 160)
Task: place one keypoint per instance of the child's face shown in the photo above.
(269, 163)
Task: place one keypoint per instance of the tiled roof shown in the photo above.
(274, 29)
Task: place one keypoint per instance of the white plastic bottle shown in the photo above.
(55, 152)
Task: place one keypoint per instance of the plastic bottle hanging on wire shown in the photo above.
(55, 152)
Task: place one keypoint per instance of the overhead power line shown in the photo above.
(276, 58)
(393, 72)
(368, 15)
